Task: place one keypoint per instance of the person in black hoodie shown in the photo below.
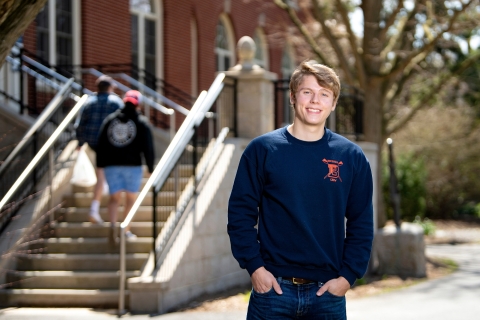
(125, 136)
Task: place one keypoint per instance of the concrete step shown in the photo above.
(89, 245)
(84, 199)
(66, 279)
(104, 299)
(89, 230)
(168, 186)
(144, 213)
(79, 262)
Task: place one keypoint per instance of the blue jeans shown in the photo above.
(296, 302)
(123, 178)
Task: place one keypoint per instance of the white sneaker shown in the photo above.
(95, 218)
(129, 235)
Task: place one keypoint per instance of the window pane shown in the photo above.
(42, 34)
(227, 63)
(142, 5)
(64, 16)
(134, 39)
(64, 42)
(150, 37)
(221, 40)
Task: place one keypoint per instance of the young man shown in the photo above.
(310, 192)
(96, 109)
(125, 137)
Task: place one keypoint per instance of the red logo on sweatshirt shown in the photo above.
(333, 169)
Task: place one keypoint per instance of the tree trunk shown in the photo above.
(374, 132)
(15, 17)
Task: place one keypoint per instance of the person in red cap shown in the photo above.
(96, 109)
(125, 138)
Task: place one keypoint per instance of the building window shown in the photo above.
(261, 53)
(287, 69)
(224, 44)
(64, 34)
(43, 35)
(144, 45)
(55, 30)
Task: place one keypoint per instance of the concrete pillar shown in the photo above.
(400, 251)
(255, 93)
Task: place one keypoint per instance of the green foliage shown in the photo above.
(427, 225)
(469, 209)
(361, 282)
(411, 177)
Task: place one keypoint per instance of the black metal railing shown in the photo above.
(226, 107)
(19, 160)
(37, 86)
(348, 116)
(349, 113)
(168, 90)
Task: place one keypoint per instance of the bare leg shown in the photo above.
(98, 190)
(113, 204)
(130, 200)
(97, 197)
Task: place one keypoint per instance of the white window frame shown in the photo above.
(262, 47)
(221, 53)
(76, 32)
(156, 16)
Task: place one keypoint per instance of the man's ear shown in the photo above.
(292, 98)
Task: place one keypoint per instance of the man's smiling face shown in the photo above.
(313, 103)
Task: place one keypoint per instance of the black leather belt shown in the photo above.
(298, 280)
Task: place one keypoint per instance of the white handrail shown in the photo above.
(124, 88)
(43, 150)
(166, 164)
(152, 92)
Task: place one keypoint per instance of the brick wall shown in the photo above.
(105, 32)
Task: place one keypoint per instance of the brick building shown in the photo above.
(181, 42)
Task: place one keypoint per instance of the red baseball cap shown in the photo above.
(133, 96)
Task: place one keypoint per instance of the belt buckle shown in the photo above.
(294, 281)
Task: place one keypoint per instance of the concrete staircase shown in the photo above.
(73, 264)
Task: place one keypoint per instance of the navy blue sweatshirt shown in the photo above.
(300, 193)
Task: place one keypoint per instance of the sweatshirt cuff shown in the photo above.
(254, 264)
(348, 274)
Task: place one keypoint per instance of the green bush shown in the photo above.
(411, 177)
(427, 225)
(468, 209)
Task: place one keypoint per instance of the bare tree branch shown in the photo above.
(318, 13)
(390, 21)
(433, 91)
(414, 56)
(353, 44)
(303, 30)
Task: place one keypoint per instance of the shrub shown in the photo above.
(427, 225)
(411, 177)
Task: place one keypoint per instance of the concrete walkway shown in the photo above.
(453, 297)
(456, 296)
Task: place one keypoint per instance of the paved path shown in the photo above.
(456, 296)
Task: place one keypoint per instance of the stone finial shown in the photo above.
(246, 52)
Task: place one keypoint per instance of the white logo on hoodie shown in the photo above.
(121, 134)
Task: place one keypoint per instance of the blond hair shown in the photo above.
(326, 77)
